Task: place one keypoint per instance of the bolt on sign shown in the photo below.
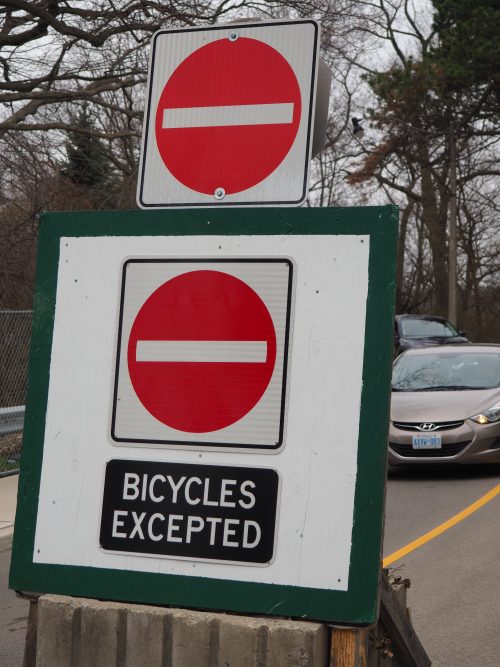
(207, 410)
(229, 115)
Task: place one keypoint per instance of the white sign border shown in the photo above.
(78, 288)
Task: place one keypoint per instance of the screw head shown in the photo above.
(233, 36)
(219, 193)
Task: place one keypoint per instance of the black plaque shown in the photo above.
(199, 512)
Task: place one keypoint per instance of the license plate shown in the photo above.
(426, 442)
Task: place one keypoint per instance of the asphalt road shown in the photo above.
(13, 617)
(455, 581)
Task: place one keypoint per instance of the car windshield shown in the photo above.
(442, 371)
(420, 328)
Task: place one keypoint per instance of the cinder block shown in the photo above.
(102, 633)
(296, 644)
(55, 630)
(242, 641)
(194, 637)
(147, 636)
(77, 632)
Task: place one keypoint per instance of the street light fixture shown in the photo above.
(358, 130)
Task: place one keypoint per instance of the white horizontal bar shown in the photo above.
(229, 351)
(245, 114)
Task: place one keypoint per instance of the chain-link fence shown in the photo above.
(15, 331)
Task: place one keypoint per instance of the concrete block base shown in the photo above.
(89, 633)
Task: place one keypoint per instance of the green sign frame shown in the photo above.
(356, 606)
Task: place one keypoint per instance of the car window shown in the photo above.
(414, 327)
(460, 371)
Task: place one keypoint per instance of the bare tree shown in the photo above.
(58, 57)
(420, 113)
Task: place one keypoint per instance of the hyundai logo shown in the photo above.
(427, 426)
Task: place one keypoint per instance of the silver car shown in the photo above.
(445, 405)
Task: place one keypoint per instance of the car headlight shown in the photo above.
(489, 416)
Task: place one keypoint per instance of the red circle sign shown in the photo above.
(228, 116)
(201, 351)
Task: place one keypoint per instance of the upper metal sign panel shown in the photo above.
(229, 116)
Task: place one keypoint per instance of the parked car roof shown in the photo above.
(452, 349)
(424, 331)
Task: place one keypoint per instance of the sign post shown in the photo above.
(207, 410)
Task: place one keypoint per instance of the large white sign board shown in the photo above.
(245, 469)
(318, 475)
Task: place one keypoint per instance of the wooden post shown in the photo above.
(349, 648)
(408, 649)
(31, 633)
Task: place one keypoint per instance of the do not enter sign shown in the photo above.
(234, 127)
(202, 352)
(229, 117)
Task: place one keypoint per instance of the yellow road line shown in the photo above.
(420, 541)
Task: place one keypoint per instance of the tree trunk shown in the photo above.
(436, 228)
